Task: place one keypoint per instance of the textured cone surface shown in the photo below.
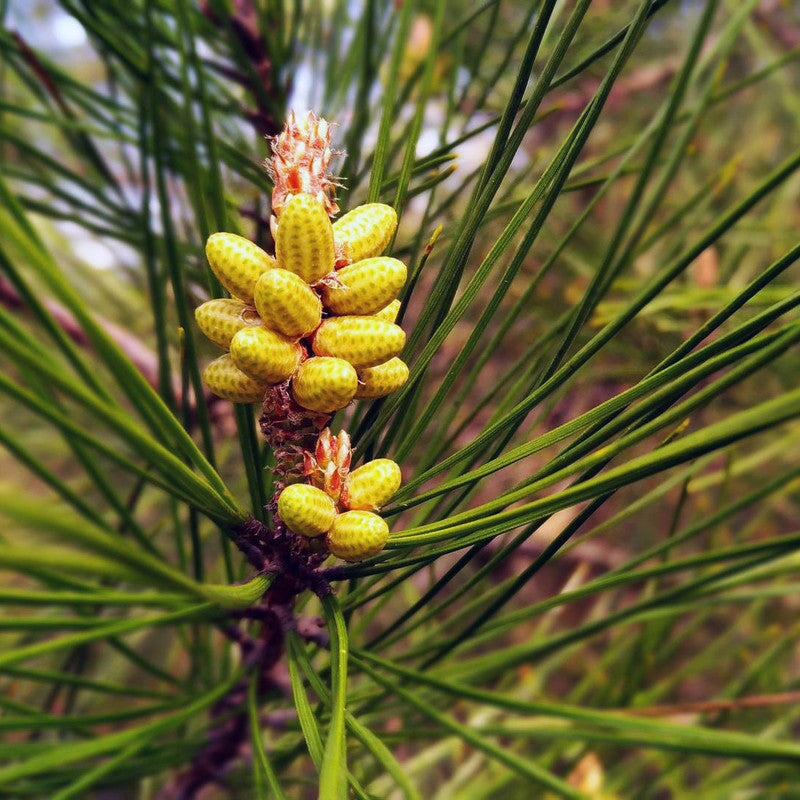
(220, 320)
(356, 535)
(304, 240)
(367, 286)
(287, 304)
(365, 231)
(265, 355)
(388, 313)
(324, 384)
(372, 485)
(363, 341)
(227, 381)
(381, 380)
(237, 262)
(306, 510)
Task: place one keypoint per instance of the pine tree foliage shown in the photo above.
(589, 587)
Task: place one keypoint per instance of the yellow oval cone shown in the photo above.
(324, 384)
(238, 263)
(372, 485)
(363, 341)
(356, 535)
(287, 304)
(304, 240)
(366, 286)
(382, 379)
(265, 355)
(388, 313)
(227, 381)
(306, 510)
(220, 320)
(365, 231)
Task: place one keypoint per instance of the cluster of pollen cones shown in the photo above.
(314, 322)
(319, 314)
(337, 507)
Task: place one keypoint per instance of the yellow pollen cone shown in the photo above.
(265, 355)
(306, 510)
(287, 304)
(388, 313)
(227, 381)
(356, 535)
(382, 379)
(238, 263)
(304, 239)
(365, 231)
(220, 320)
(324, 384)
(372, 485)
(363, 341)
(366, 286)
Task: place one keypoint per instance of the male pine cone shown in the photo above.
(319, 315)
